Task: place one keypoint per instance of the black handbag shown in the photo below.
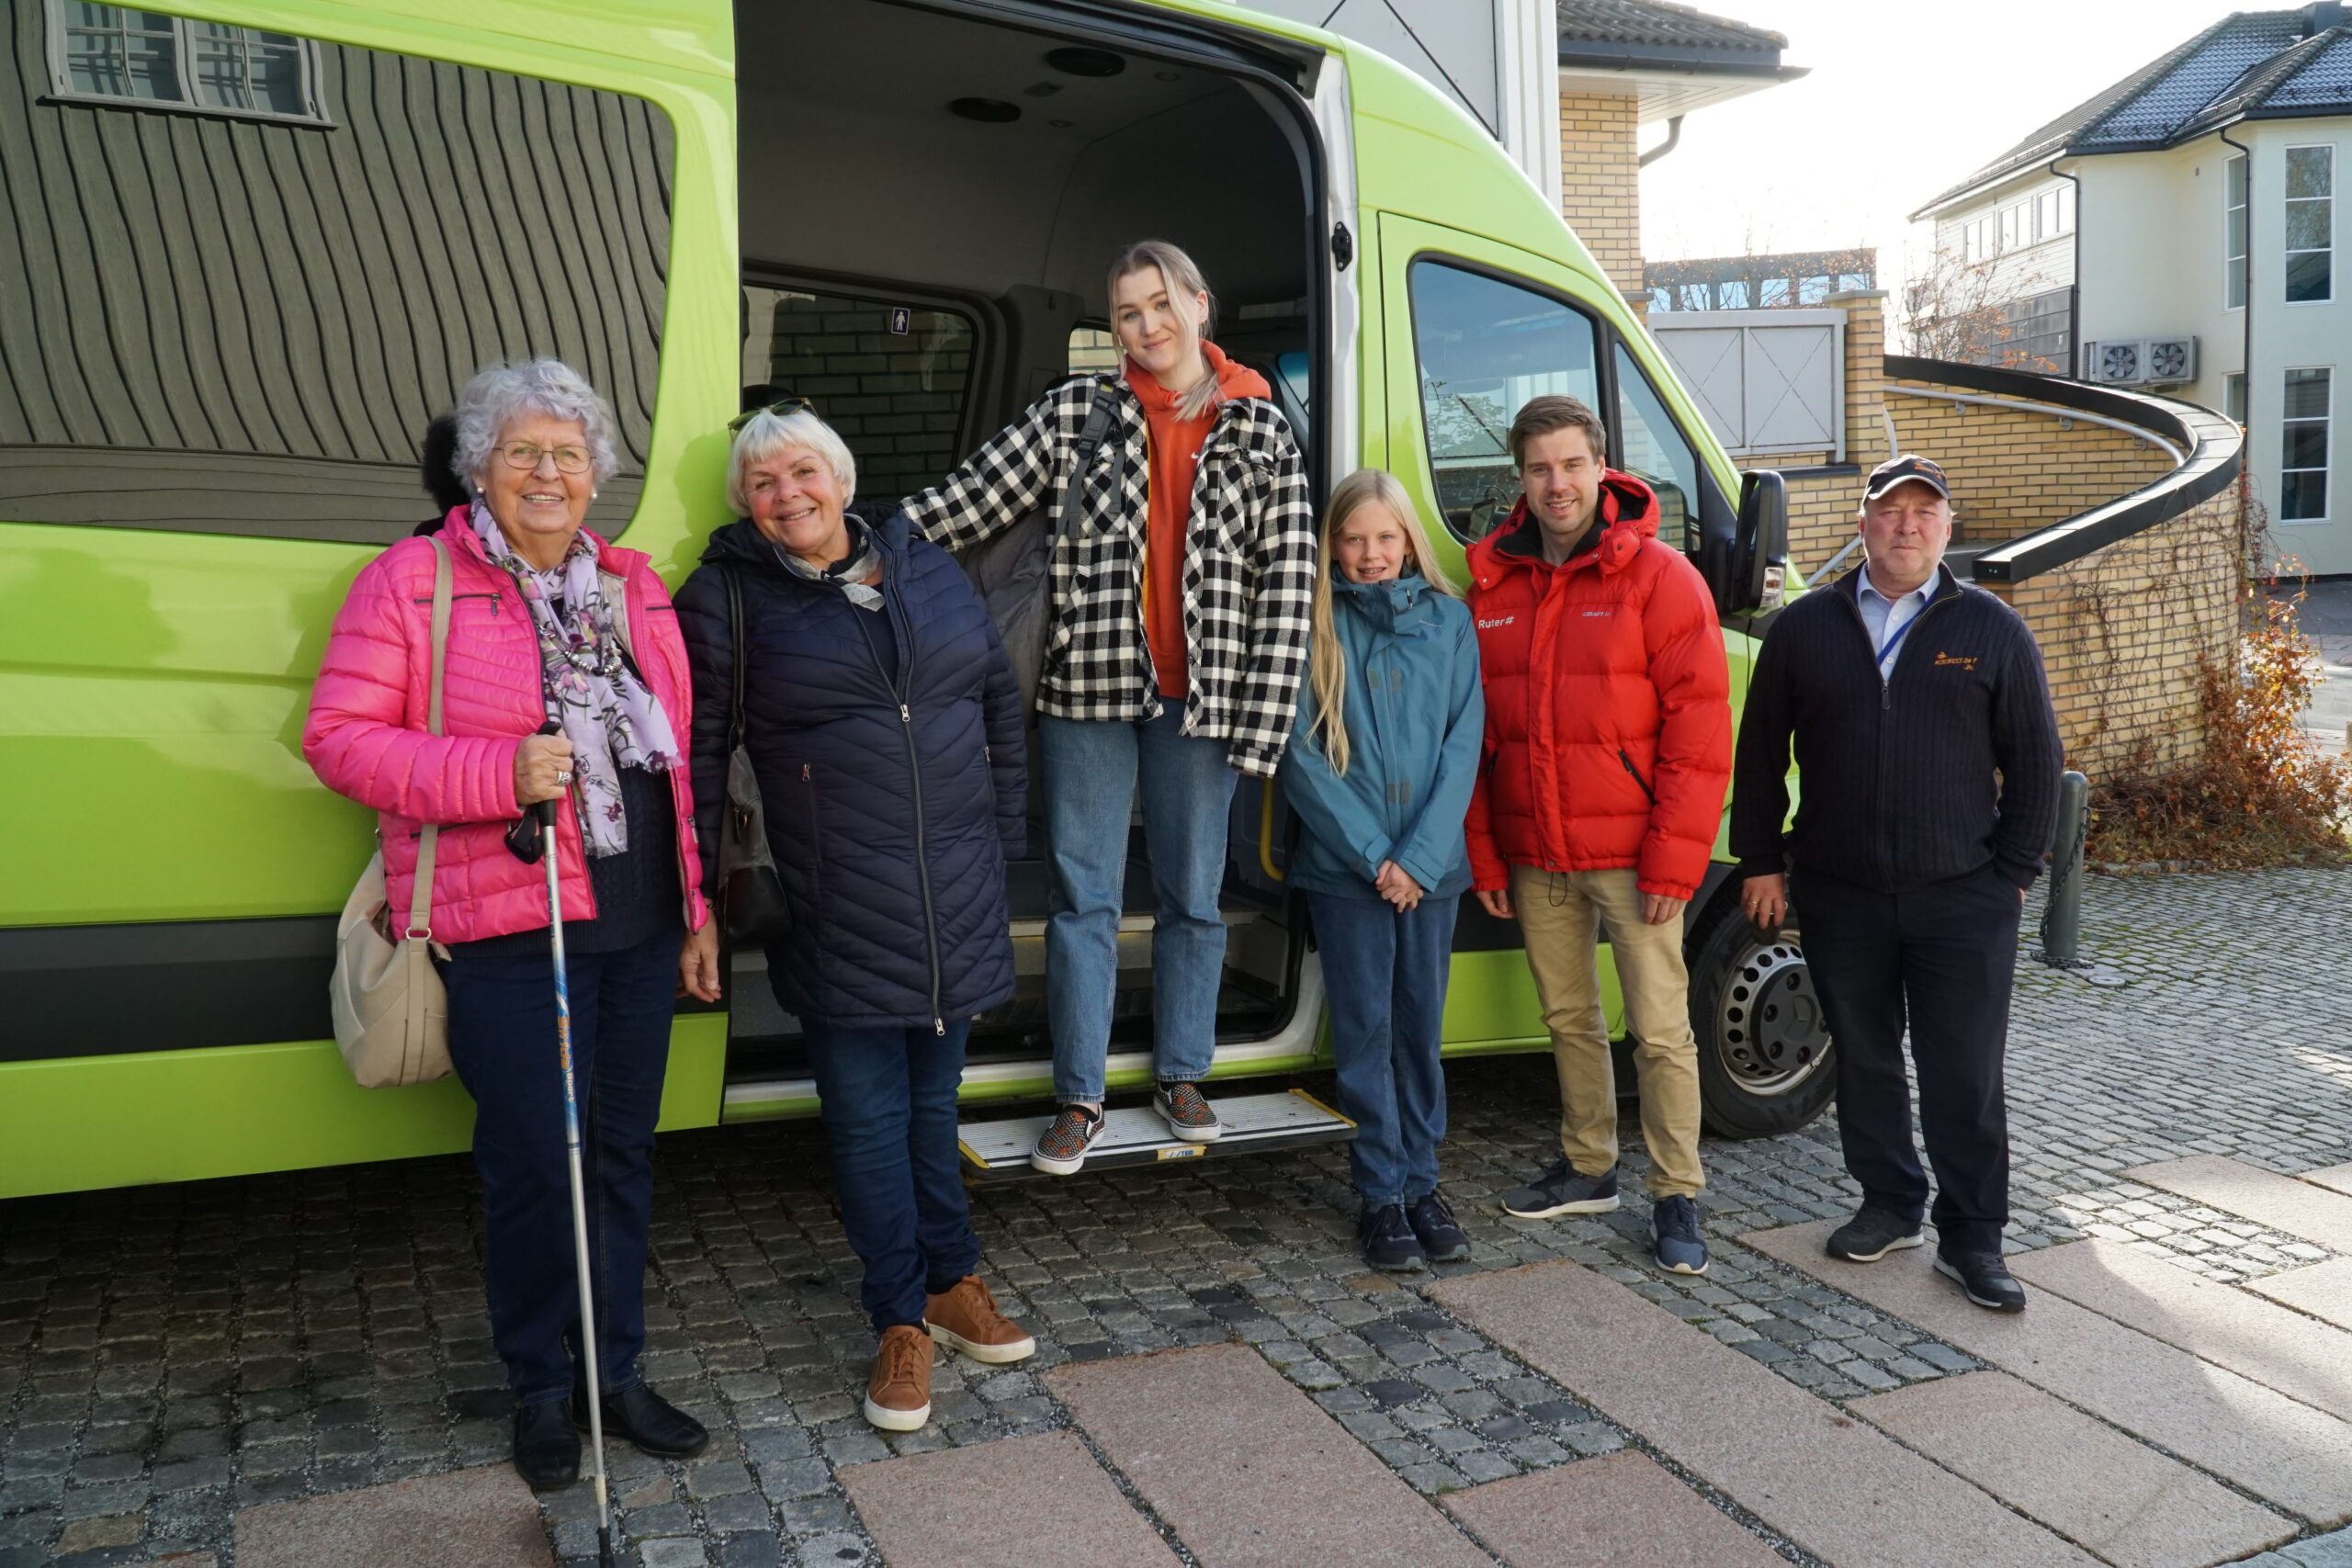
(751, 909)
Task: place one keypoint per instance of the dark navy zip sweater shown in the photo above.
(1948, 764)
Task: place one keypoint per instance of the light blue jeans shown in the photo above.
(1091, 768)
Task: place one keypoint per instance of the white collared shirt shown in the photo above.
(1885, 618)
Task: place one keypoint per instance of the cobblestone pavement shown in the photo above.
(168, 1355)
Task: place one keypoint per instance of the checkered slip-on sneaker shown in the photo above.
(1188, 1113)
(1062, 1148)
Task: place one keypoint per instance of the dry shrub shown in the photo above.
(2263, 793)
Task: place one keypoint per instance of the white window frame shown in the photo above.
(2286, 256)
(2328, 484)
(62, 90)
(2234, 267)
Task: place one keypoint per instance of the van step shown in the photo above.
(1135, 1135)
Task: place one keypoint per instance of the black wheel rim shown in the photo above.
(1770, 1035)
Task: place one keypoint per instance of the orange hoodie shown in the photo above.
(1175, 447)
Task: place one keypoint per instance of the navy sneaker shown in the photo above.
(1674, 1236)
(1432, 1220)
(1388, 1239)
(1560, 1191)
(1984, 1277)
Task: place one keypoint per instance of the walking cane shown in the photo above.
(544, 811)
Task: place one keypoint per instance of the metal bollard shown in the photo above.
(2062, 921)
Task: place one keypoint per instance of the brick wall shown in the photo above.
(1601, 190)
(2123, 633)
(2013, 472)
(895, 398)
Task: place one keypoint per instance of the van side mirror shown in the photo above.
(1762, 559)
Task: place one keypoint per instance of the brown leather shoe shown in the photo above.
(965, 1317)
(898, 1396)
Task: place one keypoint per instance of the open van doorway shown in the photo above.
(930, 194)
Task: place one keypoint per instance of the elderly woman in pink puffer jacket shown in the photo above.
(549, 621)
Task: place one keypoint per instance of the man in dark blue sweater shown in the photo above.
(1928, 759)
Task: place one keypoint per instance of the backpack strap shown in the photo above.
(419, 907)
(1091, 437)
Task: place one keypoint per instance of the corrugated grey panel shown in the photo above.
(190, 290)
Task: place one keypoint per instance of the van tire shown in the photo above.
(1759, 1076)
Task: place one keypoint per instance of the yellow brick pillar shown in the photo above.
(1601, 190)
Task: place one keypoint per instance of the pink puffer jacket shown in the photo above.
(367, 740)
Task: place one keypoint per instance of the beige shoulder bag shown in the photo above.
(392, 1012)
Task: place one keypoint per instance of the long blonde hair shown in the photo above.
(1327, 665)
(1181, 275)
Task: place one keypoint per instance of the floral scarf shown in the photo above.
(611, 719)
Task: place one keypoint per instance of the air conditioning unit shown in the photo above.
(2170, 359)
(2145, 361)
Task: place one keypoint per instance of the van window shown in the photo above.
(243, 322)
(1485, 347)
(1654, 447)
(892, 379)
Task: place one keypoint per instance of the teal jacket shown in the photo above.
(1416, 721)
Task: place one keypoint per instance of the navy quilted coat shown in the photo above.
(891, 832)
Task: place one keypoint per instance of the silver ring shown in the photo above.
(563, 778)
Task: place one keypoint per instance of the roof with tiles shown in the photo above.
(1639, 32)
(2249, 65)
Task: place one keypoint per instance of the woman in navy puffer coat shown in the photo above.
(883, 724)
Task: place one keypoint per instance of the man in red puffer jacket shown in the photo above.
(1607, 751)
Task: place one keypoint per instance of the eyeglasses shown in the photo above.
(526, 455)
(783, 407)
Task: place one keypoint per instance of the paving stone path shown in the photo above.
(171, 1356)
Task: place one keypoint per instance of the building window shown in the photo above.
(2311, 224)
(2010, 217)
(2303, 449)
(2233, 245)
(2233, 397)
(115, 54)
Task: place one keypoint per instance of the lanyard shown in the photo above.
(1896, 640)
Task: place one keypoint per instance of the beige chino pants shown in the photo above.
(1562, 915)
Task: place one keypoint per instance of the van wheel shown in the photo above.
(1764, 1051)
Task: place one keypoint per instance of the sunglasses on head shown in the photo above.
(783, 407)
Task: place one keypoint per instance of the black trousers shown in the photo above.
(1940, 958)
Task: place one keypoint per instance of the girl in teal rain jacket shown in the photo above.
(1380, 773)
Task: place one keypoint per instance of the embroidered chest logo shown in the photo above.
(1956, 661)
(1597, 614)
(1490, 625)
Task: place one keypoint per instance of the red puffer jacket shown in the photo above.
(1608, 702)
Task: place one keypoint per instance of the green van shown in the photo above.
(252, 247)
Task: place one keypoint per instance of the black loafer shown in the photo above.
(547, 1449)
(1985, 1279)
(645, 1418)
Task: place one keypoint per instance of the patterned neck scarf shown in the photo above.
(612, 721)
(854, 573)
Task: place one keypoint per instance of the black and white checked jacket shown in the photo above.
(1249, 563)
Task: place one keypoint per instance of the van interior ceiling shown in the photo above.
(928, 203)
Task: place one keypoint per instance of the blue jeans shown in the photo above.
(502, 1041)
(1385, 975)
(888, 1099)
(1091, 767)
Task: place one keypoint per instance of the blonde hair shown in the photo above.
(1181, 275)
(1328, 663)
(765, 434)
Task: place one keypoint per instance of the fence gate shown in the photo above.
(1767, 381)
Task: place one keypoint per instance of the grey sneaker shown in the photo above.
(1062, 1148)
(1188, 1113)
(1560, 1191)
(1675, 1240)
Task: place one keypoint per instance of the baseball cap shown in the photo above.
(1909, 465)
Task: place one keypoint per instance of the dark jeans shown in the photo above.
(1942, 957)
(1385, 975)
(887, 1098)
(502, 1041)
